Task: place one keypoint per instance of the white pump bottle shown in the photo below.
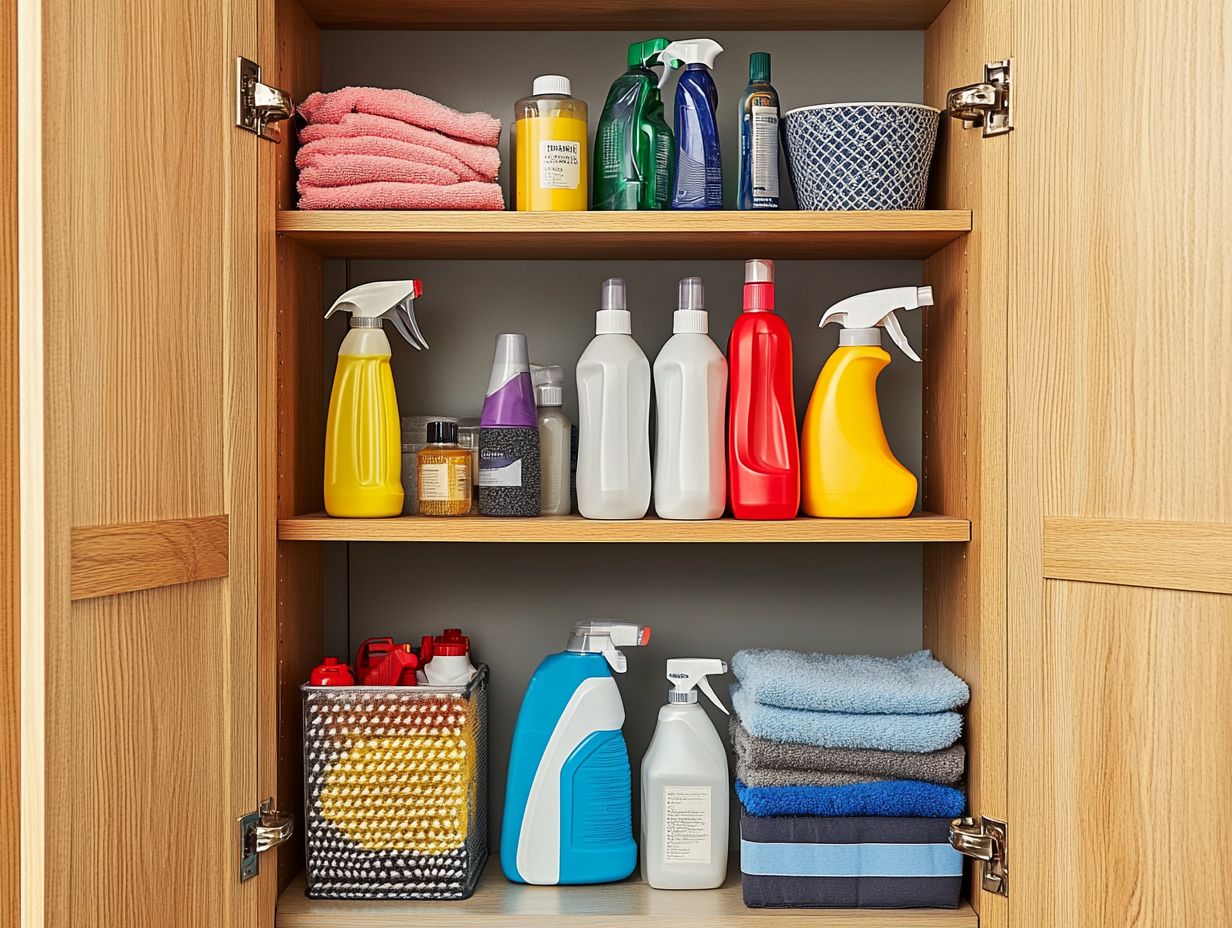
(685, 786)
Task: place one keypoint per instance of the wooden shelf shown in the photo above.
(924, 526)
(620, 235)
(500, 904)
(640, 16)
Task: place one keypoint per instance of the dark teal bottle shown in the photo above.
(759, 138)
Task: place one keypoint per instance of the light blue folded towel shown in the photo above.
(927, 732)
(915, 683)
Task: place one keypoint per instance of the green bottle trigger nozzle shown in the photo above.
(371, 304)
(685, 673)
(862, 314)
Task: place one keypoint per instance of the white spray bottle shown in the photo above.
(363, 449)
(685, 786)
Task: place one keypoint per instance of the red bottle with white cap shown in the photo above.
(445, 660)
(763, 446)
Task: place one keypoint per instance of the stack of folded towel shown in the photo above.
(846, 768)
(367, 148)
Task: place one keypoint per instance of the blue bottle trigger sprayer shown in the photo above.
(568, 797)
(699, 163)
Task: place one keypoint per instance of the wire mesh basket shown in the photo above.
(396, 790)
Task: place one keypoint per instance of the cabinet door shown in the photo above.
(141, 501)
(1120, 438)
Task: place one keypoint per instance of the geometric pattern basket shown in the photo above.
(861, 156)
(395, 790)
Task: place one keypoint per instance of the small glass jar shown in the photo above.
(443, 472)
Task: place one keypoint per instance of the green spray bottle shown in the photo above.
(635, 150)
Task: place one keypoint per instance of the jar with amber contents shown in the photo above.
(444, 472)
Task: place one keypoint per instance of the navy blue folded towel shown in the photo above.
(886, 798)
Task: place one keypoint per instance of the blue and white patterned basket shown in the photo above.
(860, 155)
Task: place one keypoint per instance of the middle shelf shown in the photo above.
(787, 234)
(923, 526)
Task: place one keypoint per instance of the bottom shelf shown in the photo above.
(501, 904)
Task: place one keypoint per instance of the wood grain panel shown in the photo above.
(964, 408)
(292, 404)
(498, 903)
(1130, 754)
(1171, 555)
(149, 308)
(608, 235)
(1120, 409)
(108, 559)
(10, 465)
(923, 526)
(638, 15)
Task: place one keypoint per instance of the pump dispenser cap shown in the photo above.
(759, 68)
(549, 380)
(690, 315)
(613, 318)
(601, 636)
(551, 83)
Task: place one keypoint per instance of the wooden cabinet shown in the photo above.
(165, 544)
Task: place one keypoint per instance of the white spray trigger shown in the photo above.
(368, 304)
(685, 673)
(600, 636)
(877, 308)
(688, 51)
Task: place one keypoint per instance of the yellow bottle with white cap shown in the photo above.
(847, 467)
(550, 168)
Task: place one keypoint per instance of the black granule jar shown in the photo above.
(508, 471)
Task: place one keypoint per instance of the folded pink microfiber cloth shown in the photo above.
(483, 159)
(469, 195)
(345, 170)
(403, 106)
(370, 146)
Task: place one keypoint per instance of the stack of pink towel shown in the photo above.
(366, 148)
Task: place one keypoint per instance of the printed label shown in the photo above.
(686, 824)
(765, 152)
(498, 470)
(559, 164)
(434, 481)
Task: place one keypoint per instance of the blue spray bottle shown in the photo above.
(699, 164)
(568, 797)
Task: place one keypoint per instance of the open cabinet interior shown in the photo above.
(883, 587)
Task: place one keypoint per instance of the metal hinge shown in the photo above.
(984, 840)
(988, 104)
(260, 831)
(256, 104)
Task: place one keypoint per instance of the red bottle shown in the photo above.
(331, 673)
(763, 447)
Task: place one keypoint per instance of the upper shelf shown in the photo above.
(641, 16)
(614, 235)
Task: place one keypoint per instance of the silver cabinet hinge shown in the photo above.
(257, 104)
(260, 831)
(987, 105)
(984, 839)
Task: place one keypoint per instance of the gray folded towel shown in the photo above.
(776, 776)
(945, 766)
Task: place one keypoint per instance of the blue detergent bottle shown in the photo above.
(699, 163)
(568, 798)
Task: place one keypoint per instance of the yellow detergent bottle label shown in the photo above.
(551, 163)
(363, 451)
(847, 467)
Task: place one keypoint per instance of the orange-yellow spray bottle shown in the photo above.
(363, 450)
(847, 467)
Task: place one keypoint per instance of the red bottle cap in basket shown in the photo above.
(331, 673)
(451, 644)
(371, 653)
(396, 669)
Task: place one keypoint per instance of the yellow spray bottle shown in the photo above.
(363, 450)
(847, 467)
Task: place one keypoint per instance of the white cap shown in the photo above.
(549, 381)
(684, 673)
(551, 83)
(511, 358)
(759, 271)
(613, 318)
(690, 315)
